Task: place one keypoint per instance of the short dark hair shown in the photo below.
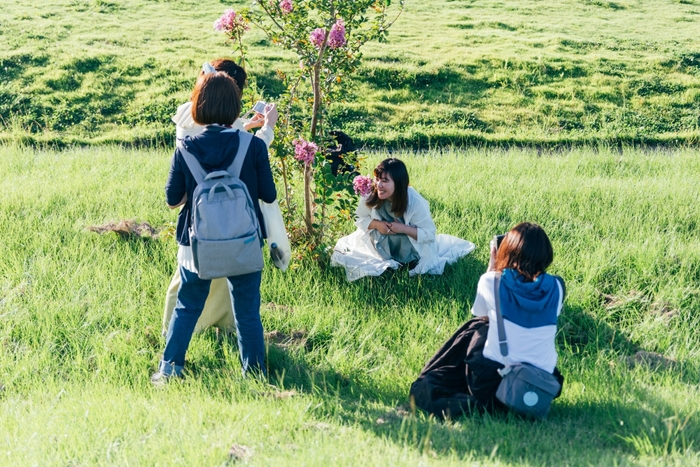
(232, 69)
(527, 249)
(399, 174)
(216, 99)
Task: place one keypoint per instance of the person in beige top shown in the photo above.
(218, 310)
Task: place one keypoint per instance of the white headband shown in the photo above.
(207, 68)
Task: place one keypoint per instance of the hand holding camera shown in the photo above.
(495, 244)
(270, 114)
(263, 115)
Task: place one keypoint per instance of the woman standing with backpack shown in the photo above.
(217, 309)
(215, 104)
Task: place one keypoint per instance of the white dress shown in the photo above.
(357, 254)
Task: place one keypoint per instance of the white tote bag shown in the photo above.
(277, 239)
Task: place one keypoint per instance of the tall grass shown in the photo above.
(80, 321)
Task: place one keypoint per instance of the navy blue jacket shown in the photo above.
(215, 151)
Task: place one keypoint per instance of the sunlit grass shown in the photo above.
(81, 316)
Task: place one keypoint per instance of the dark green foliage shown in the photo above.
(84, 65)
(66, 82)
(494, 75)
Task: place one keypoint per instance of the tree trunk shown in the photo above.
(308, 200)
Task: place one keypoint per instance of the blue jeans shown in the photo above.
(193, 292)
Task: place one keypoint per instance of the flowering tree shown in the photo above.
(234, 26)
(327, 36)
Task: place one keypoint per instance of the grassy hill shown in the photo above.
(80, 312)
(453, 72)
(80, 318)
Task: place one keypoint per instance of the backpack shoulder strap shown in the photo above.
(563, 285)
(193, 164)
(244, 139)
(502, 341)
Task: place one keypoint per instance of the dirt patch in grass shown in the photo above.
(238, 452)
(284, 341)
(126, 228)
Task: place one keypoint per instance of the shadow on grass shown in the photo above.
(579, 433)
(396, 288)
(630, 421)
(627, 422)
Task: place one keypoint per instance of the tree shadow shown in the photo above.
(632, 423)
(581, 333)
(429, 84)
(574, 434)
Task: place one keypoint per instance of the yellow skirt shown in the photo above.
(218, 309)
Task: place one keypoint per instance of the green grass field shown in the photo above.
(87, 88)
(80, 322)
(521, 72)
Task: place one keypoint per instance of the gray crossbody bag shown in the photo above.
(524, 389)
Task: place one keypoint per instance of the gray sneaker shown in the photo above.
(166, 372)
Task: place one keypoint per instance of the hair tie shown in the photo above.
(207, 68)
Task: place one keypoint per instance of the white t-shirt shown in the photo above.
(525, 345)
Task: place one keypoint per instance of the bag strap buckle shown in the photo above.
(504, 371)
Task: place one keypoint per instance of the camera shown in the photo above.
(498, 239)
(259, 107)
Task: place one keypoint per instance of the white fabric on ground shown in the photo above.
(357, 254)
(360, 260)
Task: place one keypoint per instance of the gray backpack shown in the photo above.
(225, 232)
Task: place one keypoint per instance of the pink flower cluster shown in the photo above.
(317, 36)
(362, 185)
(336, 38)
(286, 6)
(304, 151)
(231, 21)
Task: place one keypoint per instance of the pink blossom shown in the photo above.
(317, 36)
(304, 151)
(362, 185)
(231, 21)
(336, 38)
(286, 6)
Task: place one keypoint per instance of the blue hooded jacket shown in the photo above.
(529, 304)
(216, 150)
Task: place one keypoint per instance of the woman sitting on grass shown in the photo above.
(217, 310)
(394, 227)
(464, 373)
(531, 301)
(215, 105)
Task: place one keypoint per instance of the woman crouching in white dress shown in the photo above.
(394, 227)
